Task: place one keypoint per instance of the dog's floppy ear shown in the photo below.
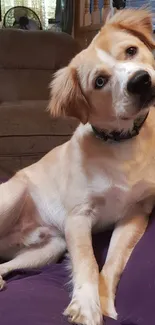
(136, 21)
(67, 98)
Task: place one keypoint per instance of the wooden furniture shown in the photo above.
(88, 20)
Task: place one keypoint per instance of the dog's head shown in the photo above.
(113, 81)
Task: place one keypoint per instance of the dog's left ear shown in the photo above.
(67, 98)
(136, 21)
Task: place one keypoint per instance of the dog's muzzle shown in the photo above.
(140, 85)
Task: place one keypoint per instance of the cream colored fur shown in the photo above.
(88, 184)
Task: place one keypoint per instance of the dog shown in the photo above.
(104, 175)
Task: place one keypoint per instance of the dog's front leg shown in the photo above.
(85, 304)
(126, 235)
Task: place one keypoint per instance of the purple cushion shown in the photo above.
(38, 297)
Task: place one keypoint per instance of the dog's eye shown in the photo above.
(131, 51)
(100, 82)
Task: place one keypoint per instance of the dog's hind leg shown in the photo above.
(36, 256)
(12, 198)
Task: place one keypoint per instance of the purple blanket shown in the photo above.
(38, 297)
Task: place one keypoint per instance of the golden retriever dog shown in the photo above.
(104, 175)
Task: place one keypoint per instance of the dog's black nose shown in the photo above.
(139, 83)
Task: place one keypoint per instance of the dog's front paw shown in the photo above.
(85, 307)
(108, 307)
(107, 298)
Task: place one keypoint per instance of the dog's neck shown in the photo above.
(119, 136)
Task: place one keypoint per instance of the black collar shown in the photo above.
(120, 136)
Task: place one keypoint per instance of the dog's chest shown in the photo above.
(112, 196)
(109, 197)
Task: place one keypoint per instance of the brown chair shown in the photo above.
(27, 63)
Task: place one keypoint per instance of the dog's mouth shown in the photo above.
(142, 103)
(147, 99)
